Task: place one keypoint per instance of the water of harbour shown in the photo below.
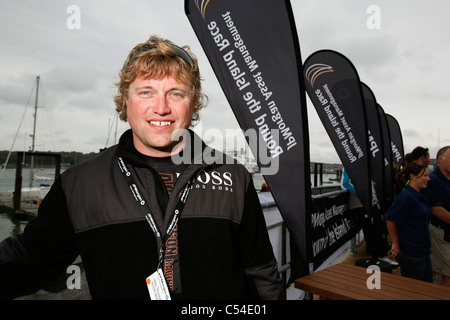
(41, 176)
(10, 224)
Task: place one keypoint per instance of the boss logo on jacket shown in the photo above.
(214, 180)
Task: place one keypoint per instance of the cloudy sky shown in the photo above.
(404, 62)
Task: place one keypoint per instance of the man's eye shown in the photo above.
(178, 95)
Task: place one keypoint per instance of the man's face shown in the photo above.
(444, 162)
(155, 109)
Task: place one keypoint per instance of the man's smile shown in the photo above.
(160, 123)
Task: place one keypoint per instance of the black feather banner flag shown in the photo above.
(398, 152)
(334, 88)
(253, 48)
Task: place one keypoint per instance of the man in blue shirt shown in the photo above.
(438, 194)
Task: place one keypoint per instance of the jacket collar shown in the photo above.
(196, 152)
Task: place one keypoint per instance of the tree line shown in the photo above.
(67, 158)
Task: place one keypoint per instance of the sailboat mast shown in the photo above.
(35, 112)
(34, 130)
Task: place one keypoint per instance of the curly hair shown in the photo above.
(156, 59)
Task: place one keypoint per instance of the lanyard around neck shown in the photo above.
(147, 212)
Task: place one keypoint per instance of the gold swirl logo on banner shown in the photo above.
(201, 6)
(316, 70)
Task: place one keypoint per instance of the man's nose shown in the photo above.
(162, 106)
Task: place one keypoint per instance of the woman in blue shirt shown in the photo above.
(407, 223)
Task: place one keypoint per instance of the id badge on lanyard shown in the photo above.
(156, 282)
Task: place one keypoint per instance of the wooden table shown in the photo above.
(349, 282)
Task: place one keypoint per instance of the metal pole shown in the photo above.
(34, 130)
(17, 195)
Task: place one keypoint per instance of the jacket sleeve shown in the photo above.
(43, 252)
(259, 260)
